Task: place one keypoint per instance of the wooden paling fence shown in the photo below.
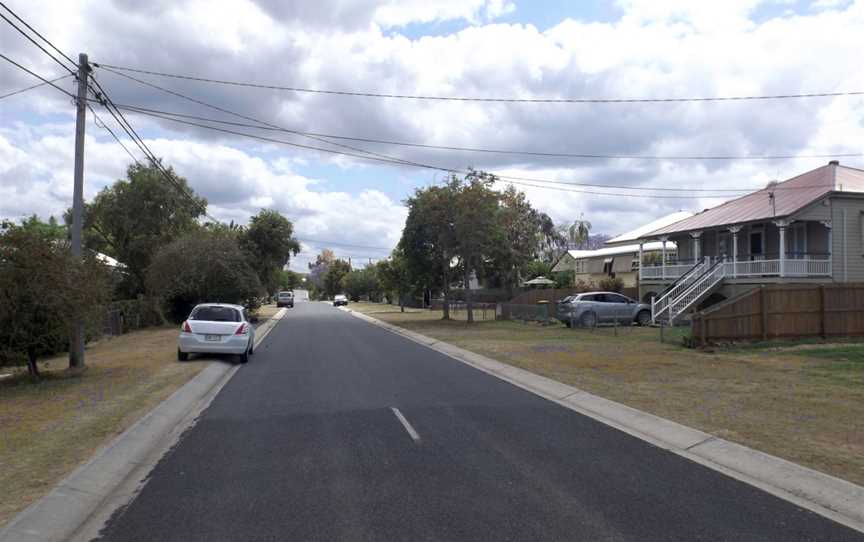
(776, 311)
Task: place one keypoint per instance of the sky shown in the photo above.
(466, 48)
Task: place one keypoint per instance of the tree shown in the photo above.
(289, 280)
(44, 290)
(203, 266)
(428, 241)
(333, 279)
(476, 226)
(135, 217)
(269, 241)
(537, 268)
(318, 269)
(579, 232)
(359, 283)
(394, 277)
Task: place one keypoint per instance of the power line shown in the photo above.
(36, 75)
(334, 243)
(481, 99)
(239, 115)
(43, 38)
(48, 82)
(503, 178)
(494, 151)
(34, 42)
(100, 123)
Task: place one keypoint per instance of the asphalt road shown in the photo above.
(303, 444)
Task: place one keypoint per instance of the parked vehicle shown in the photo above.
(216, 328)
(340, 300)
(285, 299)
(593, 308)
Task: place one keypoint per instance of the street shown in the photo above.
(340, 430)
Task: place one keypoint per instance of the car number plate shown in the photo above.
(212, 337)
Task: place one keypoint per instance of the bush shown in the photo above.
(612, 284)
(201, 267)
(44, 291)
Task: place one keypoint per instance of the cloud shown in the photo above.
(654, 50)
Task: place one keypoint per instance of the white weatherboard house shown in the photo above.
(621, 256)
(809, 228)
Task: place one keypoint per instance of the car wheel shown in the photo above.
(251, 348)
(182, 356)
(589, 319)
(244, 357)
(643, 318)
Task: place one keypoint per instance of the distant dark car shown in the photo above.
(285, 299)
(340, 300)
(593, 308)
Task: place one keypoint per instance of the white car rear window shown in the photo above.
(215, 314)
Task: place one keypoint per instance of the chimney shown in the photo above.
(834, 163)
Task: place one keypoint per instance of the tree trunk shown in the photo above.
(446, 306)
(469, 302)
(32, 367)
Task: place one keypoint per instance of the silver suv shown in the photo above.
(593, 308)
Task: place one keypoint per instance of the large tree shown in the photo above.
(394, 277)
(269, 241)
(136, 216)
(203, 266)
(428, 241)
(44, 290)
(336, 271)
(476, 225)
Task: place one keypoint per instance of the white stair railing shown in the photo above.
(661, 304)
(705, 283)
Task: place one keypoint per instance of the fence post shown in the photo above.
(764, 302)
(822, 324)
(703, 329)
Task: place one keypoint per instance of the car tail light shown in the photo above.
(242, 330)
(186, 327)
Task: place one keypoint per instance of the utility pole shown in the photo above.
(76, 341)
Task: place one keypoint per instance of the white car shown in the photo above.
(216, 328)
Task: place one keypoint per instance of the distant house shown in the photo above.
(621, 255)
(809, 228)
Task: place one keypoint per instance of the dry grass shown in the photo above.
(803, 404)
(48, 428)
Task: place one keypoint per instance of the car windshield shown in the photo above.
(215, 314)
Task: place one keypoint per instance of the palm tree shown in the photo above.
(579, 231)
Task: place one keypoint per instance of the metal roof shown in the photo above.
(788, 197)
(634, 235)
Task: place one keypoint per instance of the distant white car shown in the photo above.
(340, 300)
(216, 328)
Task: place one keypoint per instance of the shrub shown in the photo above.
(202, 267)
(612, 284)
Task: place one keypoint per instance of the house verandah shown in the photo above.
(809, 228)
(780, 249)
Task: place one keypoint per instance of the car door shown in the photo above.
(603, 309)
(621, 307)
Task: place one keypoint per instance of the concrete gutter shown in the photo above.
(826, 495)
(78, 507)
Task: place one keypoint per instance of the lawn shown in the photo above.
(49, 427)
(802, 402)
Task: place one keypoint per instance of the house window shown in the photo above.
(607, 267)
(579, 267)
(635, 265)
(757, 242)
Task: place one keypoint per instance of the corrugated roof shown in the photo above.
(661, 222)
(789, 196)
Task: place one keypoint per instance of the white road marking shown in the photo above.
(405, 424)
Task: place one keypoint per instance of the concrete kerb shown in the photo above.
(826, 495)
(80, 504)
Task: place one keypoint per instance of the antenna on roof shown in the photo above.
(771, 199)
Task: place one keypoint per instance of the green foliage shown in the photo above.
(360, 283)
(43, 291)
(538, 268)
(336, 271)
(270, 244)
(564, 279)
(289, 280)
(135, 217)
(203, 266)
(612, 284)
(394, 277)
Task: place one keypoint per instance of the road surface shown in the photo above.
(340, 430)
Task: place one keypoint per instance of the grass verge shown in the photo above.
(49, 427)
(804, 403)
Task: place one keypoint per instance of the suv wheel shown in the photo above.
(643, 318)
(182, 356)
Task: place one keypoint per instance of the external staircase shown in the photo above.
(690, 289)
